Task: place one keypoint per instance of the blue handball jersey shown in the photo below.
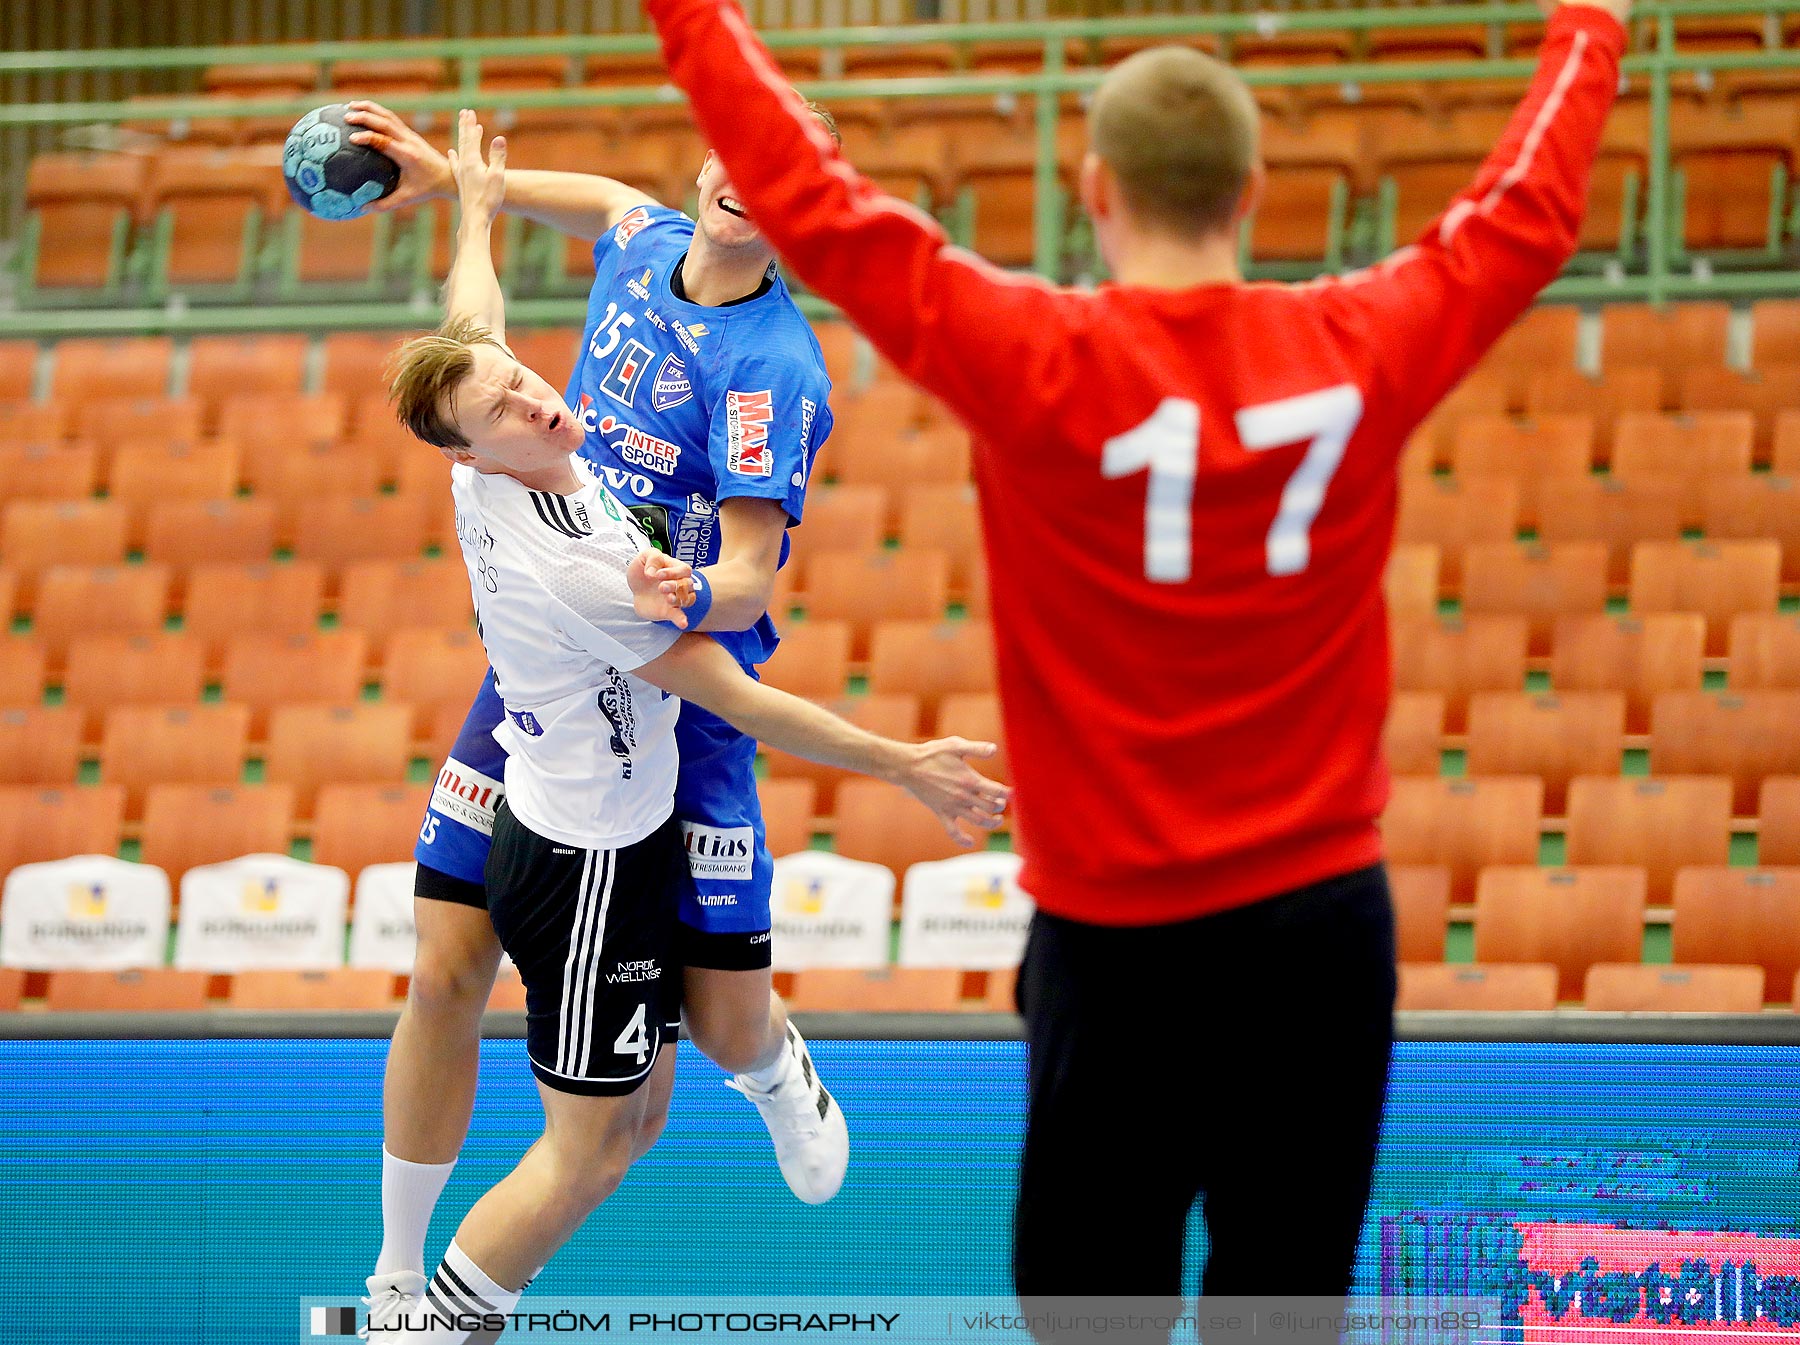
(685, 405)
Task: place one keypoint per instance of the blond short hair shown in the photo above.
(1179, 130)
(424, 372)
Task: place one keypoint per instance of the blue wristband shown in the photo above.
(703, 596)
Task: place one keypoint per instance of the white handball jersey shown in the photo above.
(590, 749)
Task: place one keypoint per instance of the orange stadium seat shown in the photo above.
(943, 518)
(1671, 340)
(1733, 166)
(1775, 332)
(1410, 581)
(327, 251)
(90, 367)
(1740, 916)
(437, 672)
(889, 715)
(106, 671)
(1623, 389)
(977, 717)
(1464, 824)
(1643, 657)
(267, 423)
(880, 823)
(1619, 513)
(147, 745)
(140, 990)
(1484, 392)
(1412, 739)
(1556, 737)
(1421, 897)
(262, 79)
(18, 372)
(1536, 453)
(1744, 734)
(356, 825)
(1765, 393)
(1311, 176)
(1570, 918)
(227, 601)
(549, 352)
(1778, 829)
(876, 413)
(145, 475)
(787, 808)
(1764, 651)
(222, 368)
(841, 518)
(267, 671)
(1663, 824)
(1693, 448)
(1424, 162)
(1615, 987)
(77, 600)
(1756, 506)
(838, 343)
(1459, 656)
(866, 587)
(212, 197)
(1784, 456)
(937, 456)
(315, 745)
(81, 207)
(1717, 579)
(336, 989)
(24, 665)
(54, 471)
(183, 534)
(1544, 338)
(354, 362)
(882, 990)
(1455, 514)
(292, 475)
(37, 534)
(1460, 987)
(813, 659)
(24, 422)
(39, 824)
(905, 161)
(338, 530)
(508, 994)
(1541, 583)
(932, 659)
(40, 745)
(379, 596)
(186, 826)
(12, 988)
(110, 421)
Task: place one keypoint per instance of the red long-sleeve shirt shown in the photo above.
(1187, 496)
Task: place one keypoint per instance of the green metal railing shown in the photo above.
(1658, 280)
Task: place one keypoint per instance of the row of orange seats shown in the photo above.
(1575, 917)
(169, 990)
(1608, 987)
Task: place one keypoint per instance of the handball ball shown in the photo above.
(327, 175)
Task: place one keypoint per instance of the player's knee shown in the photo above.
(649, 1131)
(591, 1170)
(733, 1041)
(449, 978)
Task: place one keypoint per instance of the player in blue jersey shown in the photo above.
(702, 397)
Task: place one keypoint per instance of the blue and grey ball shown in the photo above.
(327, 175)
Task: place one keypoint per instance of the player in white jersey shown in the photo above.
(582, 877)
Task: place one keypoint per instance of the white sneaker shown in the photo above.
(391, 1297)
(812, 1143)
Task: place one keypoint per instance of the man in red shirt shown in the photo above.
(1197, 476)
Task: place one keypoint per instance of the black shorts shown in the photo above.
(593, 935)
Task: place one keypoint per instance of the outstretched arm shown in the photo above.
(947, 319)
(937, 773)
(583, 205)
(473, 290)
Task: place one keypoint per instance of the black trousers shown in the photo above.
(1239, 1058)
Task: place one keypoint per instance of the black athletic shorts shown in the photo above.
(593, 935)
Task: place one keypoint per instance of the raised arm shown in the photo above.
(472, 289)
(947, 319)
(937, 773)
(1432, 309)
(582, 205)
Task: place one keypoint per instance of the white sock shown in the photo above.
(770, 1075)
(409, 1193)
(461, 1289)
